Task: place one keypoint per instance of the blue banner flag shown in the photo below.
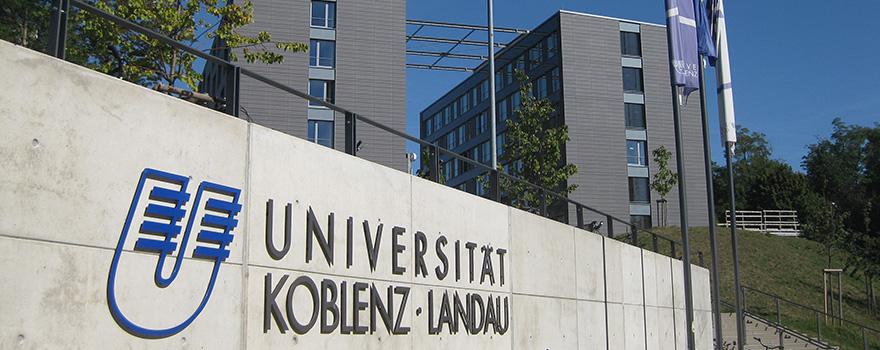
(705, 41)
(683, 27)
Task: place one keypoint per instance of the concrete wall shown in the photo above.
(75, 154)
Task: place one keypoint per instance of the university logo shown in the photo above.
(151, 236)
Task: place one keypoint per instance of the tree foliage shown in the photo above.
(664, 179)
(106, 47)
(535, 151)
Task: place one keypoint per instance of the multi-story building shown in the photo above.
(608, 80)
(356, 60)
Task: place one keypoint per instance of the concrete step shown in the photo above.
(767, 334)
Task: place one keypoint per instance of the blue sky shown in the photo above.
(796, 64)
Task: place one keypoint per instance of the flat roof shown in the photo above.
(612, 18)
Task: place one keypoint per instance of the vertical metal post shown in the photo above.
(634, 236)
(495, 185)
(654, 242)
(739, 304)
(491, 53)
(232, 87)
(610, 228)
(435, 163)
(672, 244)
(544, 197)
(818, 327)
(682, 201)
(779, 322)
(351, 133)
(840, 297)
(710, 199)
(700, 258)
(580, 215)
(864, 339)
(58, 28)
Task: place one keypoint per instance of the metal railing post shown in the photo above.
(435, 163)
(672, 244)
(351, 133)
(610, 221)
(232, 89)
(634, 236)
(864, 339)
(580, 215)
(544, 197)
(818, 327)
(779, 322)
(495, 185)
(58, 28)
(700, 258)
(654, 242)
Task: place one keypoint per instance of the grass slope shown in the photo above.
(790, 268)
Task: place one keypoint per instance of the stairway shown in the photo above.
(756, 328)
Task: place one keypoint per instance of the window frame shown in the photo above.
(639, 183)
(640, 89)
(641, 156)
(315, 46)
(314, 138)
(628, 117)
(623, 44)
(328, 94)
(329, 23)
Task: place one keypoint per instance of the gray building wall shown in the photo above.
(370, 72)
(658, 104)
(592, 90)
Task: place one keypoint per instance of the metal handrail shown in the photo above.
(782, 328)
(812, 310)
(57, 41)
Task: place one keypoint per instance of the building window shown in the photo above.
(536, 56)
(635, 153)
(554, 80)
(323, 14)
(508, 74)
(322, 53)
(502, 110)
(486, 150)
(635, 116)
(521, 63)
(514, 104)
(632, 79)
(321, 89)
(321, 132)
(484, 90)
(438, 121)
(482, 123)
(451, 140)
(447, 115)
(630, 44)
(552, 46)
(464, 103)
(462, 134)
(541, 87)
(499, 143)
(639, 190)
(429, 127)
(640, 221)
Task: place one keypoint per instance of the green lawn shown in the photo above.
(790, 268)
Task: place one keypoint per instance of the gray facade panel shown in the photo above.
(658, 106)
(286, 20)
(593, 98)
(371, 75)
(370, 72)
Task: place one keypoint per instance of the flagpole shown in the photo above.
(740, 329)
(682, 201)
(710, 198)
(493, 142)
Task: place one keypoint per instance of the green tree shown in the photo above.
(534, 152)
(664, 179)
(106, 47)
(25, 22)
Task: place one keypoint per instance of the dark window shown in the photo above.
(630, 44)
(322, 89)
(640, 221)
(323, 14)
(322, 53)
(321, 132)
(635, 116)
(639, 190)
(632, 79)
(552, 46)
(554, 80)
